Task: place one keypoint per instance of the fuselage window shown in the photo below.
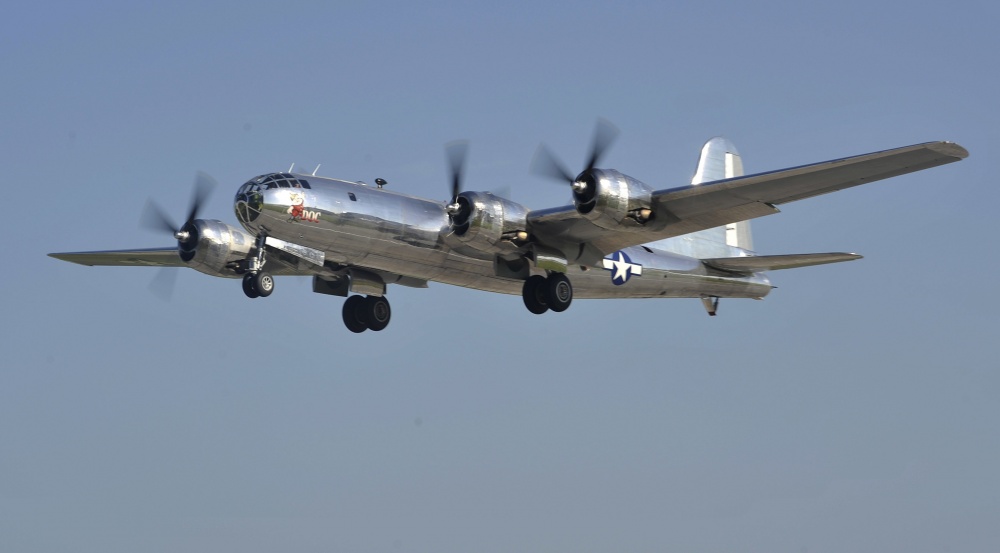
(352, 196)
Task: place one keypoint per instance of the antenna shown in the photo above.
(292, 166)
(316, 169)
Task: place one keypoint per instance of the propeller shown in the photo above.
(456, 152)
(163, 284)
(155, 218)
(546, 164)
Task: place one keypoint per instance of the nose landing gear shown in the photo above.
(363, 313)
(258, 285)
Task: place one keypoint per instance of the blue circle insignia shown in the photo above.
(621, 268)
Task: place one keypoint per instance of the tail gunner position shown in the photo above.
(619, 239)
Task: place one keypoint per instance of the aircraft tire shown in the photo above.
(535, 295)
(263, 283)
(560, 292)
(353, 314)
(377, 312)
(248, 288)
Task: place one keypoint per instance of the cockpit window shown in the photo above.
(274, 180)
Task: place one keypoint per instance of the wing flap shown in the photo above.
(753, 264)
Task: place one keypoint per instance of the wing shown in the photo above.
(278, 264)
(691, 208)
(167, 257)
(153, 257)
(753, 264)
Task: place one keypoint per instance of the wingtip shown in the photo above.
(951, 149)
(64, 257)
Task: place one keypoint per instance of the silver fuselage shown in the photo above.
(362, 226)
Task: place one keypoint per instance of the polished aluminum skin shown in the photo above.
(400, 234)
(620, 238)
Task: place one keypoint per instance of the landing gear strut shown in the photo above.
(363, 313)
(258, 283)
(554, 292)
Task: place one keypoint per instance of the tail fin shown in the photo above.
(737, 234)
(719, 160)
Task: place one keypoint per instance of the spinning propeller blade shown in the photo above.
(164, 283)
(155, 218)
(546, 164)
(204, 184)
(456, 153)
(605, 134)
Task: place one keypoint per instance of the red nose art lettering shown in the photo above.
(299, 212)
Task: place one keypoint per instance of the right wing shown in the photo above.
(152, 257)
(691, 208)
(168, 257)
(278, 264)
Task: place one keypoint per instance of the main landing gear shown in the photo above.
(363, 313)
(554, 292)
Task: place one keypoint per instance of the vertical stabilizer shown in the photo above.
(737, 234)
(719, 160)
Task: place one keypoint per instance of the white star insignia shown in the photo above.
(622, 268)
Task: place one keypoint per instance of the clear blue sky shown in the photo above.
(855, 409)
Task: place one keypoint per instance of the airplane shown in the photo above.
(620, 238)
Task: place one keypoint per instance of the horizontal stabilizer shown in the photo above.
(753, 264)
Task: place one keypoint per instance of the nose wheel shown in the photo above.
(258, 285)
(363, 313)
(541, 294)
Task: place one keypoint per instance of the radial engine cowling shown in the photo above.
(486, 222)
(213, 247)
(612, 200)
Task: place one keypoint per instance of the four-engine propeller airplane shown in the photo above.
(619, 239)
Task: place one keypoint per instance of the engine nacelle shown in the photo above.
(612, 200)
(213, 247)
(487, 223)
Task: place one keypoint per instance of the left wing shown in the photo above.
(757, 263)
(691, 208)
